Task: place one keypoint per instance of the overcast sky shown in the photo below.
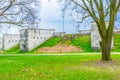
(51, 17)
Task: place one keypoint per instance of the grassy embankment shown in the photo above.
(116, 43)
(82, 42)
(13, 50)
(49, 43)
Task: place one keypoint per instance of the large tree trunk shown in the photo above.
(106, 49)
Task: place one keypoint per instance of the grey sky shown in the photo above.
(51, 16)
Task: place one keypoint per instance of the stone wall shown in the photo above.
(95, 38)
(117, 30)
(10, 40)
(59, 33)
(31, 38)
(1, 43)
(24, 40)
(84, 32)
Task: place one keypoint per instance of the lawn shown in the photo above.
(83, 42)
(73, 67)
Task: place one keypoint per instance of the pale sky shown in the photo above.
(51, 17)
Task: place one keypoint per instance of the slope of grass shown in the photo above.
(13, 50)
(49, 43)
(116, 42)
(83, 42)
(66, 39)
(82, 67)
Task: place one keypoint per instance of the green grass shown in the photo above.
(49, 43)
(82, 67)
(83, 42)
(116, 42)
(13, 50)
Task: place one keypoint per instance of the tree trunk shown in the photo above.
(106, 50)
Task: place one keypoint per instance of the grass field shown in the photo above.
(75, 67)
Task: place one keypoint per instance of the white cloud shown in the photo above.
(51, 16)
(50, 10)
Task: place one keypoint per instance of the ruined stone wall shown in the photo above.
(59, 34)
(1, 43)
(95, 38)
(84, 32)
(24, 40)
(31, 38)
(10, 40)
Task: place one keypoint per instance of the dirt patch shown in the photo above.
(60, 48)
(26, 70)
(101, 63)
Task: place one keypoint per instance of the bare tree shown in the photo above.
(19, 12)
(99, 11)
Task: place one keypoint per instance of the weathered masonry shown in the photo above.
(1, 43)
(95, 38)
(31, 38)
(9, 41)
(59, 34)
(84, 32)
